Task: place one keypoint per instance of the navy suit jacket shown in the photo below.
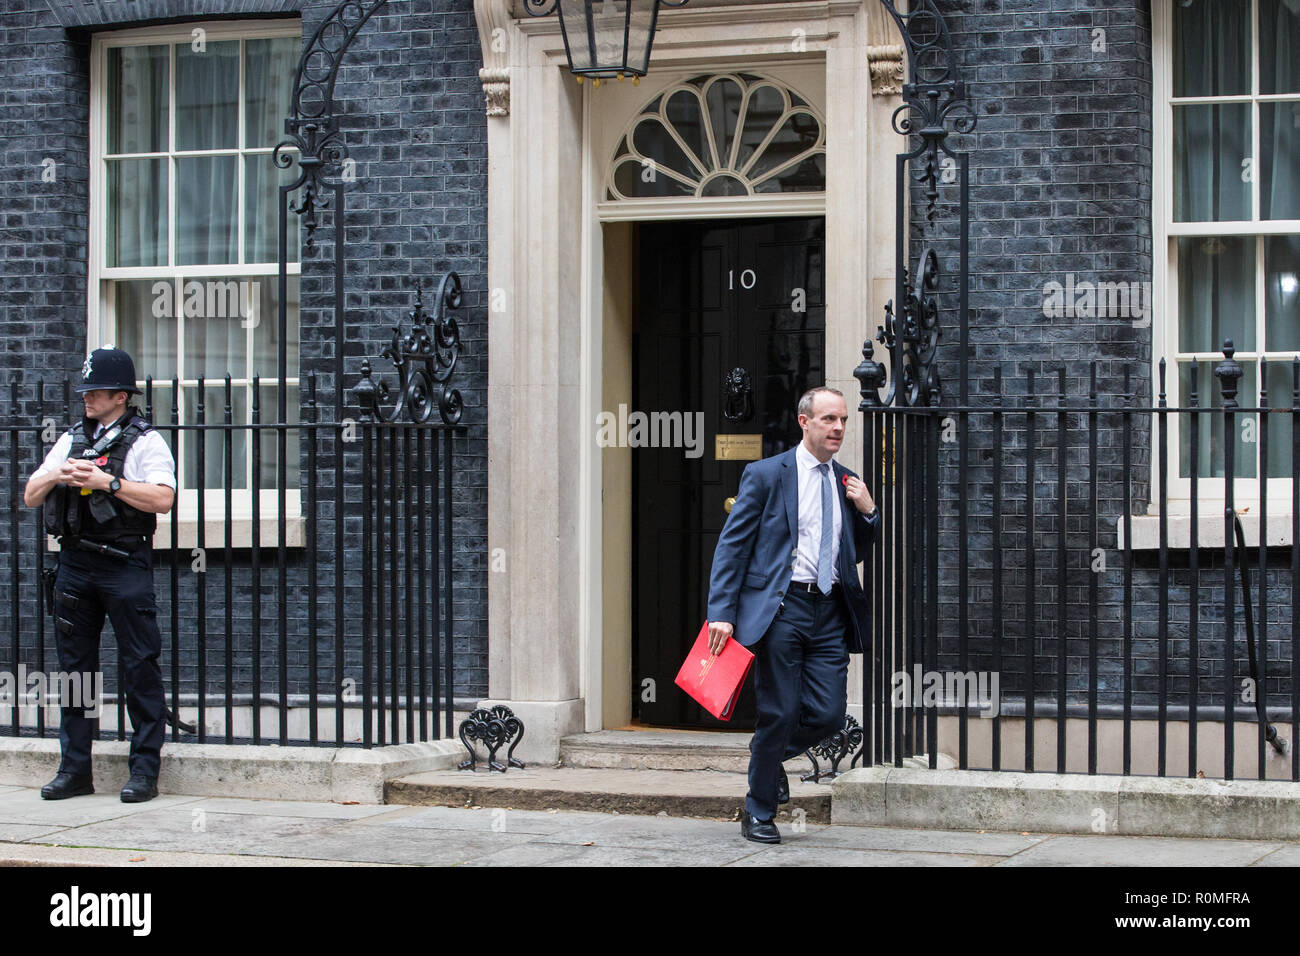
(753, 562)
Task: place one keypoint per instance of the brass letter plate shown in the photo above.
(738, 447)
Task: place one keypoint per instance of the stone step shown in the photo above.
(681, 793)
(660, 750)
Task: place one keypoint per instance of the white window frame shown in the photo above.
(1166, 232)
(100, 304)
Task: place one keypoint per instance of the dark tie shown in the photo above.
(828, 528)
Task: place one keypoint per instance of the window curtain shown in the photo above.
(1211, 58)
(207, 116)
(1216, 275)
(1279, 31)
(269, 70)
(137, 94)
(150, 339)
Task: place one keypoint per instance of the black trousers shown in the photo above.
(801, 671)
(88, 588)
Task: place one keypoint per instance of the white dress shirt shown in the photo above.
(148, 460)
(810, 517)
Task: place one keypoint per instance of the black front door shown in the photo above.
(730, 332)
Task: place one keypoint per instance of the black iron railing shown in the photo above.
(243, 648)
(1002, 502)
(1057, 600)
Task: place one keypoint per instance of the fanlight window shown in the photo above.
(727, 135)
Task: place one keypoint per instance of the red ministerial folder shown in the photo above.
(715, 680)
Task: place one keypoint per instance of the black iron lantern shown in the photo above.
(605, 38)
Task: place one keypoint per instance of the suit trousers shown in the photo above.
(801, 685)
(88, 587)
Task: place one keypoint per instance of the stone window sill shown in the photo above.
(214, 532)
(1210, 529)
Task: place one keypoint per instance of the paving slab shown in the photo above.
(486, 819)
(553, 854)
(990, 843)
(101, 831)
(805, 855)
(26, 806)
(28, 855)
(1140, 851)
(664, 833)
(194, 831)
(359, 843)
(1288, 855)
(292, 808)
(17, 832)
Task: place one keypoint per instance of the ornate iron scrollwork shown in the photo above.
(495, 727)
(933, 97)
(737, 396)
(424, 359)
(834, 748)
(312, 124)
(913, 348)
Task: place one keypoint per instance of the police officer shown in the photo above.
(103, 484)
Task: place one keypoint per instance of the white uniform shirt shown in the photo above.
(810, 517)
(148, 460)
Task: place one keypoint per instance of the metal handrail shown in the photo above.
(1279, 743)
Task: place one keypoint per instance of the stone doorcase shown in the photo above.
(559, 645)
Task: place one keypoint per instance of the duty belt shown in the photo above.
(98, 547)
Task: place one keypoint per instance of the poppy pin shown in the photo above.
(101, 461)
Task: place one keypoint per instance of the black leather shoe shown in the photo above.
(783, 789)
(66, 785)
(139, 789)
(760, 831)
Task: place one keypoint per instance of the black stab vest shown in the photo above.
(67, 510)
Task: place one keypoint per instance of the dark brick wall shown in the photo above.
(412, 108)
(1061, 183)
(46, 76)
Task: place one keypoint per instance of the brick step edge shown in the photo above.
(817, 809)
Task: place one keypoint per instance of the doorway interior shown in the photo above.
(728, 330)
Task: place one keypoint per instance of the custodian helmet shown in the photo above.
(108, 368)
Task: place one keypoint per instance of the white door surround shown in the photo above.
(550, 142)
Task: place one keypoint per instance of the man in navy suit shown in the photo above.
(785, 584)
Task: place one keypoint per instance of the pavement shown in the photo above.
(100, 830)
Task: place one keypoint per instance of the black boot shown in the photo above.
(66, 785)
(139, 789)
